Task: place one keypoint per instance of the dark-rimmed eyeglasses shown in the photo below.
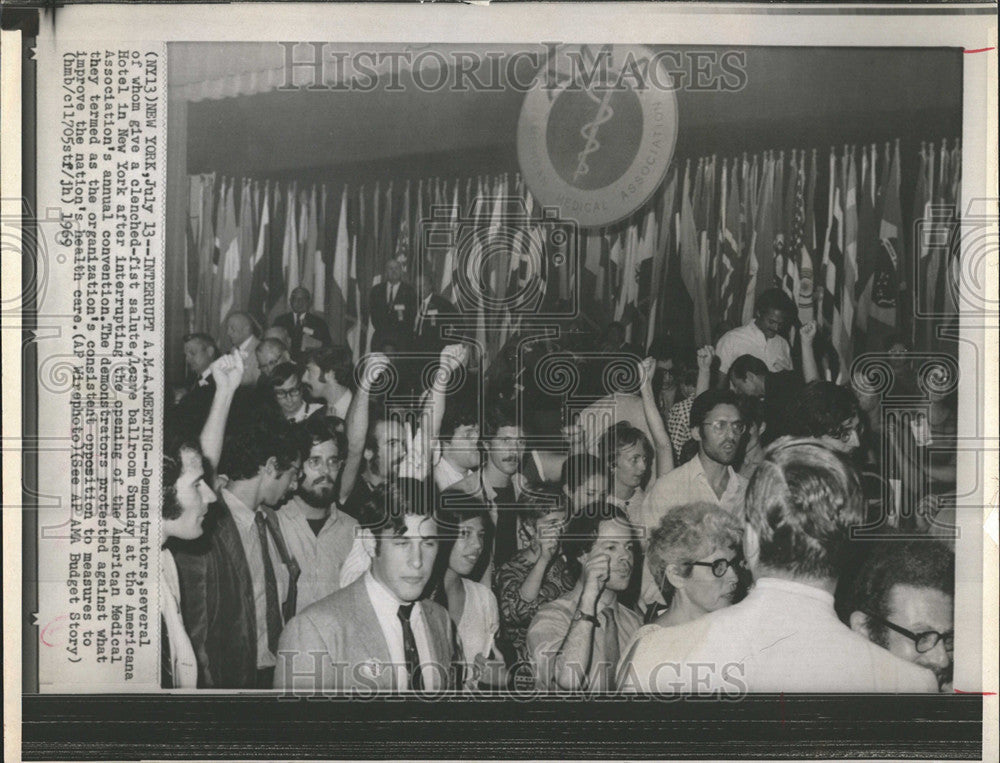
(281, 394)
(721, 566)
(924, 641)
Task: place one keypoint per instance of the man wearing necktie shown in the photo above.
(306, 330)
(392, 305)
(238, 583)
(575, 641)
(377, 634)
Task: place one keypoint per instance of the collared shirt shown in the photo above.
(339, 406)
(750, 340)
(304, 412)
(319, 556)
(632, 506)
(390, 292)
(548, 631)
(447, 474)
(386, 607)
(785, 636)
(247, 526)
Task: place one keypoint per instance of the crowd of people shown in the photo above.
(720, 519)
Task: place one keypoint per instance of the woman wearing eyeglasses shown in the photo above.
(696, 558)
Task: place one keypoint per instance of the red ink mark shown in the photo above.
(45, 630)
(977, 50)
(981, 693)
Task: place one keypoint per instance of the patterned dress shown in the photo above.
(516, 613)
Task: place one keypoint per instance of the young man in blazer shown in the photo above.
(377, 634)
(306, 330)
(236, 592)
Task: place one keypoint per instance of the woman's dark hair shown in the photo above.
(449, 518)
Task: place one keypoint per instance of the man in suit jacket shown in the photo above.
(377, 634)
(392, 306)
(188, 416)
(307, 330)
(235, 591)
(784, 636)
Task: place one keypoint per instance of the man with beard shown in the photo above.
(575, 641)
(318, 534)
(903, 600)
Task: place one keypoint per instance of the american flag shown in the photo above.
(796, 240)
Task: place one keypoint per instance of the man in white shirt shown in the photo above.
(377, 634)
(763, 336)
(243, 331)
(318, 534)
(785, 635)
(328, 375)
(458, 443)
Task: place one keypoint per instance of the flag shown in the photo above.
(691, 268)
(257, 301)
(229, 263)
(729, 246)
(833, 258)
(192, 235)
(661, 255)
(868, 246)
(403, 245)
(885, 290)
(314, 249)
(290, 245)
(850, 269)
(761, 265)
(341, 273)
(797, 257)
(307, 242)
(276, 302)
(247, 251)
(448, 268)
(807, 266)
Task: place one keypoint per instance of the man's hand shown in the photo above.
(227, 371)
(376, 365)
(647, 368)
(705, 356)
(546, 541)
(808, 332)
(596, 571)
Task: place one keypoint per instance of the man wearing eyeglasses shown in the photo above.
(317, 533)
(285, 382)
(903, 600)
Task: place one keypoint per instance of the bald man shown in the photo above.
(271, 353)
(242, 331)
(307, 330)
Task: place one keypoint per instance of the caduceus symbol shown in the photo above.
(589, 131)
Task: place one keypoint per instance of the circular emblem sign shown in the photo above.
(597, 131)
